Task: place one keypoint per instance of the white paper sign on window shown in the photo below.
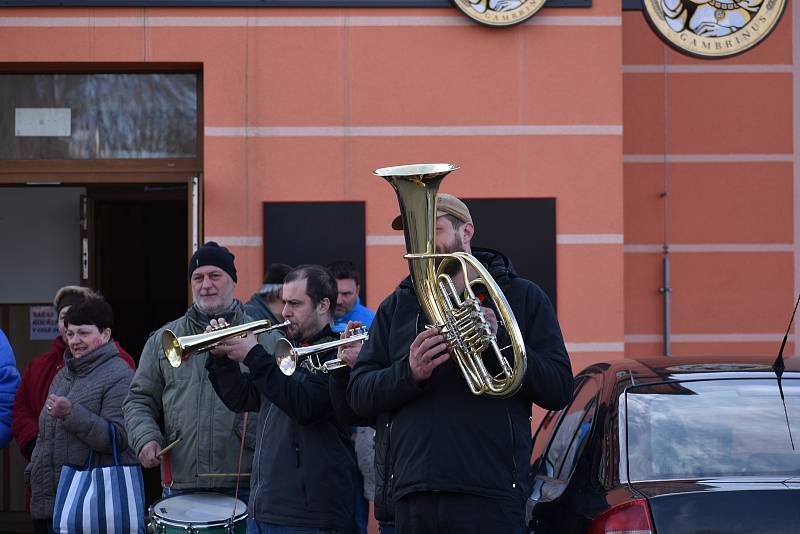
(42, 122)
(44, 323)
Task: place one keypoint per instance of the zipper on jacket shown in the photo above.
(297, 454)
(513, 450)
(388, 474)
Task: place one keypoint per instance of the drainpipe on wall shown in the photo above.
(665, 290)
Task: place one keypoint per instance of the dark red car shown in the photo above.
(672, 446)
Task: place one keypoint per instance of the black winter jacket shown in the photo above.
(437, 434)
(303, 472)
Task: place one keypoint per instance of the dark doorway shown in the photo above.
(138, 261)
(138, 256)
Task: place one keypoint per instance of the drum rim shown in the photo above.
(155, 517)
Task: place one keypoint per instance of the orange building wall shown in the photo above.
(721, 138)
(302, 104)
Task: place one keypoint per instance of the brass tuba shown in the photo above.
(461, 320)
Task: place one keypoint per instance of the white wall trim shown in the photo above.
(385, 240)
(710, 247)
(287, 22)
(236, 240)
(413, 131)
(707, 69)
(595, 347)
(708, 158)
(590, 239)
(709, 338)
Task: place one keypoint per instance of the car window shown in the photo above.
(542, 437)
(713, 428)
(572, 430)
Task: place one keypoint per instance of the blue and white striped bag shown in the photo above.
(100, 499)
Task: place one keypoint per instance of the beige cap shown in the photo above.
(445, 205)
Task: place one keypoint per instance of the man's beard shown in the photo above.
(456, 245)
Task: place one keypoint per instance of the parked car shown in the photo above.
(671, 445)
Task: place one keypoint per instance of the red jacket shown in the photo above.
(32, 392)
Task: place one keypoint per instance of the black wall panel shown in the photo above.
(315, 232)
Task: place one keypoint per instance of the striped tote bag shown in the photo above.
(93, 499)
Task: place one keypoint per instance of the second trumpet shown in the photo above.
(289, 356)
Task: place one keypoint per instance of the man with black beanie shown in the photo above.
(193, 415)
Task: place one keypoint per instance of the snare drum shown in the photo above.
(211, 513)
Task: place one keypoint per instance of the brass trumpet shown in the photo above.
(178, 349)
(288, 356)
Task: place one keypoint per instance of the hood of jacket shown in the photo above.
(89, 361)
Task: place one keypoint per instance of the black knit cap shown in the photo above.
(213, 254)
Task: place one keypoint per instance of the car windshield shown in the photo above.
(713, 428)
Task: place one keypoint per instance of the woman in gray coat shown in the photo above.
(85, 396)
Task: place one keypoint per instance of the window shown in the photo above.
(98, 116)
(713, 428)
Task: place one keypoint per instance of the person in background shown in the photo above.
(373, 462)
(9, 382)
(208, 434)
(84, 397)
(348, 304)
(39, 373)
(268, 304)
(349, 309)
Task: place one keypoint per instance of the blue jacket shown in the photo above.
(9, 382)
(358, 313)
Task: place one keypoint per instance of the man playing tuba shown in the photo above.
(456, 461)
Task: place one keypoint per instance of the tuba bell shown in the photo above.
(460, 318)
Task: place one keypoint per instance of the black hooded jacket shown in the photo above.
(437, 435)
(303, 472)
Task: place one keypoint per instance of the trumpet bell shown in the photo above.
(172, 348)
(285, 356)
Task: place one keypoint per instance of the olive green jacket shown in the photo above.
(210, 433)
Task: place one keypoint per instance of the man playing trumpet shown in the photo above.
(303, 473)
(195, 420)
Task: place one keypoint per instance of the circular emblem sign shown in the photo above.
(499, 12)
(716, 28)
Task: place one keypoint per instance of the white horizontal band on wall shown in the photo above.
(589, 239)
(711, 247)
(708, 158)
(286, 22)
(707, 338)
(413, 131)
(236, 241)
(707, 69)
(386, 240)
(595, 347)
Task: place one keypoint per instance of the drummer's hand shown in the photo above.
(147, 456)
(349, 353)
(236, 348)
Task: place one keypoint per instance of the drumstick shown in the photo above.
(167, 448)
(243, 475)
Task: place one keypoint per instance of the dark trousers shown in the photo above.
(43, 526)
(458, 513)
